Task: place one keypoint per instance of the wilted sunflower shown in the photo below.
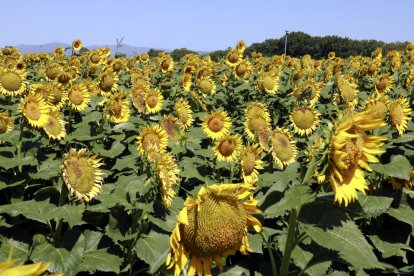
(268, 82)
(108, 82)
(35, 269)
(35, 110)
(384, 83)
(184, 113)
(55, 126)
(152, 138)
(82, 175)
(400, 113)
(234, 57)
(12, 82)
(78, 97)
(216, 125)
(168, 176)
(211, 227)
(77, 45)
(228, 148)
(398, 184)
(118, 110)
(250, 163)
(304, 120)
(206, 86)
(173, 127)
(153, 101)
(283, 148)
(6, 123)
(350, 151)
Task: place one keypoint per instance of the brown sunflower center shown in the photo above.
(268, 83)
(233, 57)
(76, 96)
(106, 83)
(63, 78)
(52, 72)
(397, 113)
(55, 96)
(256, 123)
(95, 58)
(53, 126)
(249, 161)
(205, 86)
(216, 227)
(165, 64)
(151, 139)
(215, 124)
(227, 147)
(354, 150)
(303, 118)
(241, 70)
(152, 101)
(80, 174)
(32, 110)
(381, 85)
(281, 147)
(11, 81)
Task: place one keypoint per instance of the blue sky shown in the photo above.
(199, 25)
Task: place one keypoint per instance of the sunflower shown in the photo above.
(400, 112)
(6, 123)
(153, 101)
(186, 82)
(34, 269)
(118, 110)
(347, 92)
(108, 82)
(144, 57)
(206, 86)
(254, 124)
(57, 96)
(228, 148)
(373, 68)
(268, 82)
(398, 184)
(243, 70)
(241, 46)
(77, 45)
(350, 151)
(166, 63)
(304, 120)
(250, 163)
(55, 126)
(82, 175)
(384, 83)
(35, 110)
(410, 77)
(233, 57)
(331, 55)
(173, 127)
(78, 97)
(152, 138)
(254, 109)
(95, 58)
(12, 82)
(283, 148)
(138, 95)
(216, 125)
(211, 227)
(168, 176)
(378, 104)
(184, 113)
(53, 70)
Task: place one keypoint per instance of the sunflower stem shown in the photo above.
(231, 173)
(62, 197)
(19, 146)
(269, 249)
(290, 242)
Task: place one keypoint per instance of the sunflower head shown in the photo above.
(250, 163)
(216, 125)
(108, 82)
(184, 112)
(153, 101)
(82, 175)
(35, 110)
(168, 177)
(152, 138)
(55, 126)
(227, 148)
(206, 86)
(384, 83)
(283, 148)
(118, 110)
(12, 82)
(78, 97)
(77, 45)
(213, 226)
(233, 57)
(6, 123)
(173, 127)
(138, 95)
(304, 120)
(268, 82)
(400, 113)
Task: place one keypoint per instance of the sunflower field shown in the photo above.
(251, 165)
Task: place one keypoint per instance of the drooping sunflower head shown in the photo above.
(384, 83)
(173, 127)
(12, 82)
(6, 123)
(398, 184)
(304, 120)
(78, 97)
(254, 109)
(211, 227)
(373, 68)
(184, 112)
(250, 163)
(35, 110)
(254, 124)
(82, 174)
(283, 148)
(152, 138)
(53, 70)
(400, 113)
(168, 177)
(55, 126)
(118, 110)
(153, 101)
(138, 96)
(206, 86)
(216, 125)
(378, 104)
(77, 45)
(228, 148)
(268, 82)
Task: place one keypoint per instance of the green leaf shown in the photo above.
(153, 249)
(373, 206)
(100, 260)
(348, 241)
(20, 250)
(61, 260)
(126, 162)
(305, 259)
(296, 196)
(403, 213)
(48, 169)
(280, 179)
(133, 184)
(7, 162)
(31, 209)
(389, 249)
(255, 242)
(398, 167)
(72, 214)
(116, 149)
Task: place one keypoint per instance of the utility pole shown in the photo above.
(287, 32)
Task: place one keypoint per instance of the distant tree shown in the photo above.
(217, 55)
(153, 53)
(177, 54)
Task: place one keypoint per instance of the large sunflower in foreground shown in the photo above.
(152, 138)
(35, 110)
(350, 151)
(7, 268)
(82, 175)
(212, 227)
(216, 125)
(12, 82)
(400, 113)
